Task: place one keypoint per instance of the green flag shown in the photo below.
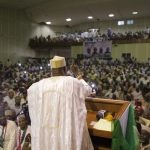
(131, 141)
(131, 132)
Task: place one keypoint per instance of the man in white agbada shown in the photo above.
(7, 132)
(57, 110)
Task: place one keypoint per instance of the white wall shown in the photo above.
(45, 30)
(141, 51)
(14, 35)
(61, 51)
(139, 24)
(15, 31)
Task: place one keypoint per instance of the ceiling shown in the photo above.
(57, 11)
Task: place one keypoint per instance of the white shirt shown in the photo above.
(137, 95)
(10, 102)
(58, 114)
(17, 109)
(9, 135)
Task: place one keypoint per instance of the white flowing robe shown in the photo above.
(58, 114)
(10, 136)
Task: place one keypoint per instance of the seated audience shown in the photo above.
(126, 79)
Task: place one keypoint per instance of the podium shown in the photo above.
(102, 139)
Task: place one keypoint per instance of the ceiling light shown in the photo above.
(48, 22)
(130, 22)
(68, 19)
(120, 23)
(134, 12)
(90, 17)
(111, 15)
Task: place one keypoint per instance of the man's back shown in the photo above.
(58, 113)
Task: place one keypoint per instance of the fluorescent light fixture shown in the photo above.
(111, 15)
(134, 12)
(120, 23)
(68, 19)
(130, 22)
(48, 22)
(48, 65)
(90, 17)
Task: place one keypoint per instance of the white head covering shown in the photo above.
(8, 112)
(11, 90)
(57, 62)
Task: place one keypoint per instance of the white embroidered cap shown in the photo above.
(57, 62)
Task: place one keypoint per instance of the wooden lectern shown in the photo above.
(102, 139)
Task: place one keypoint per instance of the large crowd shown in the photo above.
(90, 35)
(126, 80)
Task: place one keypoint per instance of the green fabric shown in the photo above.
(131, 131)
(131, 141)
(118, 140)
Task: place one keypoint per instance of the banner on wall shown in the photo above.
(100, 48)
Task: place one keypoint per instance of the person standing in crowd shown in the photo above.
(7, 132)
(23, 134)
(10, 100)
(18, 106)
(10, 114)
(57, 110)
